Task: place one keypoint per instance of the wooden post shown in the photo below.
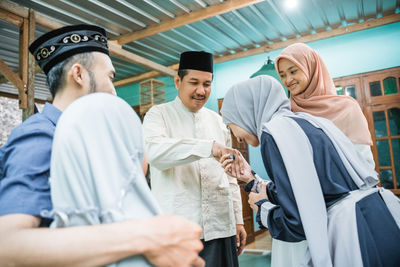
(28, 63)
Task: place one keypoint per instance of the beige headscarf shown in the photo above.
(320, 97)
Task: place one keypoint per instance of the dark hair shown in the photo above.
(56, 76)
(184, 72)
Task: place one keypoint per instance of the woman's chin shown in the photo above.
(254, 143)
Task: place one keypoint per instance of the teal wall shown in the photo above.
(358, 52)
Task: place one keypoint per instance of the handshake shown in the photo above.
(233, 162)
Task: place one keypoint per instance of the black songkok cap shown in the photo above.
(196, 60)
(58, 45)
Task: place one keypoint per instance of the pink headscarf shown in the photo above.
(320, 97)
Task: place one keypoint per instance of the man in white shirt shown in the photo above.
(183, 140)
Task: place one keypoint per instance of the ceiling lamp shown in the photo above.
(291, 4)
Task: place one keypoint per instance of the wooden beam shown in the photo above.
(266, 48)
(314, 37)
(23, 12)
(23, 62)
(117, 51)
(29, 64)
(114, 48)
(188, 18)
(4, 79)
(15, 96)
(14, 8)
(141, 77)
(15, 80)
(10, 17)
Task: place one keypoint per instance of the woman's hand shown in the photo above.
(255, 197)
(237, 167)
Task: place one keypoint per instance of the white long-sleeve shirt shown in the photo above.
(185, 178)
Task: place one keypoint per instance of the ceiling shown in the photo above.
(154, 32)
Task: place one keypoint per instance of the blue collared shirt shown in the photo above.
(25, 165)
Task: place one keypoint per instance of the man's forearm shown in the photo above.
(74, 246)
(165, 153)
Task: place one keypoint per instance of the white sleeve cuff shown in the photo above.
(265, 208)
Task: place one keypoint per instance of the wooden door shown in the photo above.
(246, 210)
(379, 97)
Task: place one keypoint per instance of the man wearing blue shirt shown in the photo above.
(76, 62)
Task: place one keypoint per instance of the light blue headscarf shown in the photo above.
(252, 103)
(96, 166)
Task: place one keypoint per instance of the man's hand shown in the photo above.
(255, 197)
(174, 242)
(231, 167)
(218, 150)
(240, 238)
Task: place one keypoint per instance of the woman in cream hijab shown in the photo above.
(321, 189)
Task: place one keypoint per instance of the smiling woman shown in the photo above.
(292, 77)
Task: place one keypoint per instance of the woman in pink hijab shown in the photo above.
(312, 91)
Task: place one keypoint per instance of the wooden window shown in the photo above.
(378, 95)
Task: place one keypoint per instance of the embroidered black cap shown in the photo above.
(56, 46)
(196, 60)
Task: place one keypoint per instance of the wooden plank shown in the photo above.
(187, 18)
(117, 51)
(15, 96)
(30, 67)
(262, 49)
(14, 8)
(114, 48)
(23, 62)
(37, 70)
(14, 79)
(313, 37)
(23, 12)
(141, 77)
(10, 17)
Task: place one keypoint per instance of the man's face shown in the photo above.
(101, 74)
(194, 89)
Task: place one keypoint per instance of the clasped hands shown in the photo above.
(236, 166)
(233, 162)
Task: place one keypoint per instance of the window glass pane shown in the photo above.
(351, 91)
(390, 85)
(339, 90)
(383, 152)
(387, 179)
(396, 159)
(394, 121)
(375, 88)
(380, 123)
